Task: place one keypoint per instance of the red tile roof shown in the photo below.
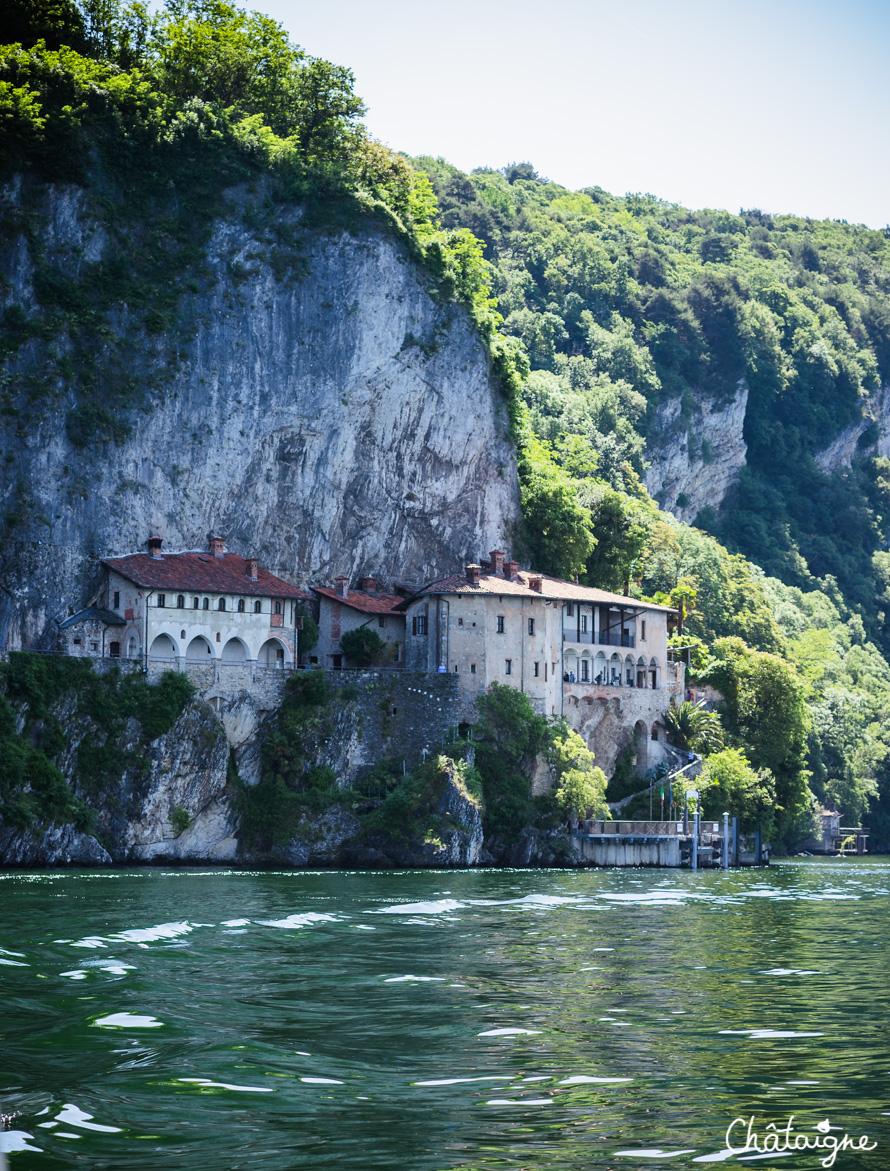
(202, 573)
(364, 600)
(551, 587)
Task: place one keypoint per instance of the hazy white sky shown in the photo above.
(783, 106)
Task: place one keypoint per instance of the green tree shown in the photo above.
(764, 710)
(580, 788)
(729, 784)
(363, 646)
(691, 726)
(557, 534)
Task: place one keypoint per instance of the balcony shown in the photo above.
(603, 638)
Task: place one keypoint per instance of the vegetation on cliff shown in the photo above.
(595, 310)
(97, 745)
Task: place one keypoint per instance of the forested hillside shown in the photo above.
(595, 310)
(622, 303)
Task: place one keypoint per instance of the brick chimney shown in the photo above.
(252, 568)
(536, 584)
(217, 546)
(341, 585)
(154, 547)
(473, 572)
(511, 569)
(496, 561)
(369, 585)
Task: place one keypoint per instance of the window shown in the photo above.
(180, 602)
(643, 638)
(94, 646)
(117, 599)
(277, 607)
(583, 623)
(182, 634)
(240, 605)
(460, 621)
(381, 621)
(537, 671)
(508, 666)
(162, 600)
(531, 626)
(655, 731)
(206, 604)
(258, 607)
(570, 610)
(418, 624)
(472, 668)
(78, 641)
(455, 668)
(114, 649)
(585, 670)
(500, 627)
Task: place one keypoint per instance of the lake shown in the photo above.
(596, 1019)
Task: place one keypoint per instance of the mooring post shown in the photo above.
(692, 794)
(725, 841)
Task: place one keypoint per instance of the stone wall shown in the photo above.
(394, 715)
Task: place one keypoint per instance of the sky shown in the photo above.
(783, 106)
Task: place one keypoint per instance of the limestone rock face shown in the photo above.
(59, 845)
(853, 440)
(696, 459)
(337, 420)
(184, 814)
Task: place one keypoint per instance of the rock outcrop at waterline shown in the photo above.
(335, 418)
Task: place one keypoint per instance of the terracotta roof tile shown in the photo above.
(551, 587)
(364, 600)
(201, 572)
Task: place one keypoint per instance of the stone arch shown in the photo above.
(615, 669)
(163, 648)
(586, 664)
(641, 747)
(199, 650)
(571, 664)
(629, 670)
(654, 673)
(235, 651)
(600, 671)
(642, 679)
(273, 653)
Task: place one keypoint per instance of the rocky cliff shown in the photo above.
(327, 415)
(697, 450)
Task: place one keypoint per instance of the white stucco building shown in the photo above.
(201, 607)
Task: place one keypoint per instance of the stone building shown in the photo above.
(94, 633)
(194, 608)
(598, 659)
(342, 609)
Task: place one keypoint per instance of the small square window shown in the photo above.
(460, 621)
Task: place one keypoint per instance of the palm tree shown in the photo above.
(692, 727)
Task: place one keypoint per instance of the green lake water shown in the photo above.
(527, 1019)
